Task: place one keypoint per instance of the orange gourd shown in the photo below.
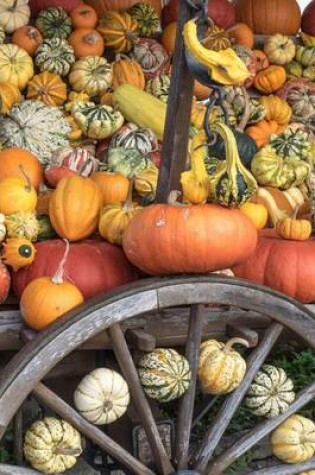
(270, 79)
(241, 34)
(27, 37)
(18, 253)
(11, 160)
(45, 299)
(262, 130)
(262, 60)
(86, 42)
(74, 207)
(17, 194)
(201, 92)
(114, 187)
(107, 99)
(127, 71)
(168, 37)
(119, 30)
(43, 199)
(83, 16)
(48, 88)
(103, 6)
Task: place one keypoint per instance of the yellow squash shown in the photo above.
(195, 182)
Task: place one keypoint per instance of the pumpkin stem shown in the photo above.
(66, 451)
(58, 277)
(233, 341)
(90, 38)
(246, 113)
(128, 203)
(28, 186)
(295, 212)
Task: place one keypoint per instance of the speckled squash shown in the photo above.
(16, 65)
(52, 445)
(147, 18)
(132, 136)
(159, 86)
(92, 75)
(270, 393)
(48, 88)
(164, 374)
(55, 55)
(54, 23)
(127, 71)
(152, 57)
(97, 121)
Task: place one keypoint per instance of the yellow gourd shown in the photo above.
(17, 194)
(195, 182)
(256, 212)
(9, 95)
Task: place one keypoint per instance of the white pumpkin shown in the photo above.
(13, 14)
(102, 396)
(52, 445)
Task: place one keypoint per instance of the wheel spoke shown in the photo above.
(18, 436)
(186, 406)
(11, 470)
(202, 456)
(139, 399)
(90, 431)
(259, 432)
(282, 469)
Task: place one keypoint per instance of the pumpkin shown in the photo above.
(18, 253)
(70, 217)
(13, 160)
(108, 266)
(200, 91)
(130, 162)
(75, 97)
(92, 75)
(221, 369)
(127, 71)
(294, 229)
(47, 298)
(132, 136)
(114, 187)
(305, 55)
(280, 49)
(52, 445)
(48, 88)
(22, 225)
(55, 173)
(294, 440)
(147, 238)
(54, 23)
(36, 127)
(164, 374)
(16, 65)
(168, 38)
(195, 182)
(83, 16)
(119, 5)
(5, 282)
(222, 12)
(299, 94)
(119, 30)
(261, 131)
(17, 194)
(151, 56)
(270, 393)
(97, 121)
(147, 18)
(159, 87)
(270, 79)
(261, 59)
(14, 14)
(276, 109)
(9, 95)
(256, 212)
(86, 42)
(241, 34)
(269, 16)
(38, 5)
(55, 55)
(27, 37)
(307, 25)
(102, 396)
(79, 160)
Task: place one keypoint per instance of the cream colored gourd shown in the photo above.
(294, 440)
(92, 75)
(14, 14)
(102, 396)
(280, 49)
(16, 65)
(221, 369)
(52, 445)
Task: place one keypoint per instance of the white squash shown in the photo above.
(13, 14)
(102, 396)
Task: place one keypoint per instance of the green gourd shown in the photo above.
(146, 17)
(55, 55)
(97, 121)
(54, 23)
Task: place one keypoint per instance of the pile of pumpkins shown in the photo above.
(83, 99)
(102, 397)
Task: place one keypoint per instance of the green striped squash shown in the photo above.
(293, 142)
(270, 393)
(164, 374)
(97, 121)
(159, 86)
(147, 18)
(54, 23)
(55, 55)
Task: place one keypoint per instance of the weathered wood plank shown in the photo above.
(285, 469)
(18, 437)
(12, 470)
(140, 339)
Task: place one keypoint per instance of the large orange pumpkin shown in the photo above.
(74, 207)
(270, 16)
(101, 7)
(287, 266)
(166, 239)
(11, 160)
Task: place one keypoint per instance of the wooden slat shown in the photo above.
(18, 437)
(12, 470)
(285, 469)
(231, 403)
(186, 406)
(140, 339)
(139, 399)
(89, 430)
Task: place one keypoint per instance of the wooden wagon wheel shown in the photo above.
(25, 371)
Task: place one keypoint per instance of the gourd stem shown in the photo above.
(246, 113)
(295, 212)
(173, 197)
(69, 452)
(128, 203)
(233, 341)
(58, 277)
(28, 186)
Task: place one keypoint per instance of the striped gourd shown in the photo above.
(97, 121)
(147, 18)
(159, 86)
(293, 142)
(55, 55)
(92, 75)
(132, 136)
(54, 23)
(36, 127)
(164, 374)
(270, 393)
(78, 159)
(2, 35)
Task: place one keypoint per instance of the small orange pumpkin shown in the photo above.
(13, 158)
(114, 187)
(119, 30)
(201, 92)
(241, 34)
(107, 99)
(18, 253)
(262, 130)
(27, 37)
(294, 229)
(86, 42)
(270, 79)
(127, 71)
(48, 88)
(47, 298)
(83, 16)
(17, 194)
(54, 173)
(262, 60)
